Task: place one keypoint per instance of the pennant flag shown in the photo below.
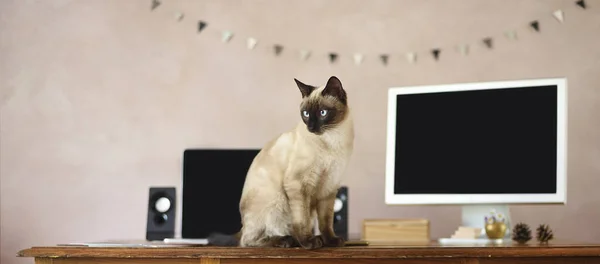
(332, 57)
(179, 16)
(559, 15)
(535, 25)
(226, 36)
(488, 42)
(201, 25)
(155, 4)
(581, 3)
(358, 58)
(411, 57)
(304, 54)
(463, 49)
(436, 53)
(251, 43)
(511, 34)
(384, 58)
(278, 49)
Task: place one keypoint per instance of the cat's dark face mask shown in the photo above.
(318, 118)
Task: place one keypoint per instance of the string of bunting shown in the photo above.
(358, 58)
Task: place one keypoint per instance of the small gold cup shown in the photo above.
(495, 230)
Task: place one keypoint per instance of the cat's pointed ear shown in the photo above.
(305, 89)
(335, 89)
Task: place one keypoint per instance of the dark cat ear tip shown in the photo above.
(334, 79)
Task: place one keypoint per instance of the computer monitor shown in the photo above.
(213, 180)
(481, 145)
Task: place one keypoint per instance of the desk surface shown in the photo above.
(432, 250)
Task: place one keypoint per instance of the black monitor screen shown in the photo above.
(499, 141)
(212, 186)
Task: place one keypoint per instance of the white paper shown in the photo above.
(251, 43)
(226, 36)
(559, 15)
(304, 54)
(186, 241)
(358, 58)
(179, 16)
(511, 34)
(463, 49)
(411, 57)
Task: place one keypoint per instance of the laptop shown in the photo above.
(212, 183)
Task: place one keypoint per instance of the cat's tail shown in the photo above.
(223, 240)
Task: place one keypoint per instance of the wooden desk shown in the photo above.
(433, 253)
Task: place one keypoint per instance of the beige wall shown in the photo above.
(99, 98)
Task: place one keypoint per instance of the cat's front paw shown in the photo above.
(286, 242)
(333, 241)
(313, 242)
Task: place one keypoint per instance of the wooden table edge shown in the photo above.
(297, 253)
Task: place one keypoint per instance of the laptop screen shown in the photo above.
(212, 186)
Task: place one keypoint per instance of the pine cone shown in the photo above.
(544, 234)
(521, 233)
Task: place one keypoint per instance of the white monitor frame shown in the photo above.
(465, 199)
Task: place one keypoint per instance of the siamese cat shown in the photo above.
(295, 177)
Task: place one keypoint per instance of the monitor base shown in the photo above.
(474, 241)
(473, 215)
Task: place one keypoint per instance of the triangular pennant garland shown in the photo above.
(179, 16)
(488, 42)
(511, 34)
(304, 54)
(358, 58)
(535, 25)
(463, 49)
(384, 58)
(436, 54)
(278, 49)
(411, 57)
(251, 43)
(155, 4)
(226, 36)
(559, 15)
(201, 26)
(332, 57)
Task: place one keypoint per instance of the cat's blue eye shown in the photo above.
(323, 112)
(305, 113)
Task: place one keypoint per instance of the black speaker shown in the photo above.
(340, 213)
(161, 213)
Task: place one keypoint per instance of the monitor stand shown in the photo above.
(474, 216)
